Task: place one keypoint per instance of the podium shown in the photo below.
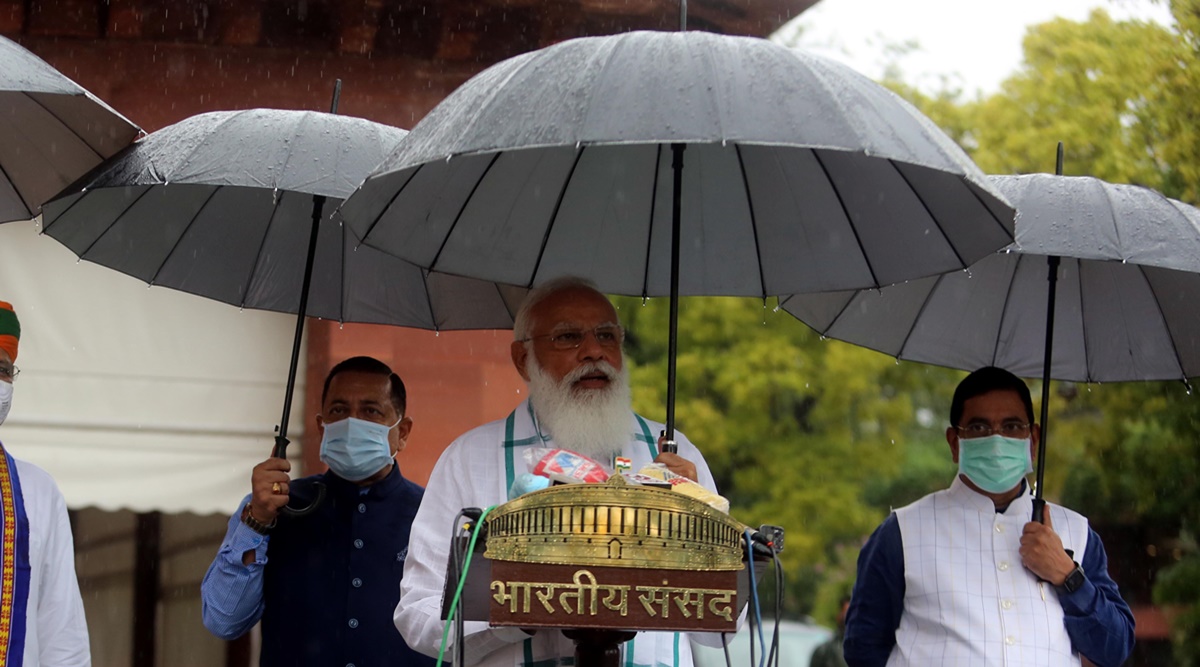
(601, 562)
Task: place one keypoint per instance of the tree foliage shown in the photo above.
(824, 438)
(787, 421)
(1123, 97)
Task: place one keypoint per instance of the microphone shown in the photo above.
(767, 540)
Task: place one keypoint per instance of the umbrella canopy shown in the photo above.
(220, 205)
(52, 131)
(235, 206)
(1125, 309)
(799, 174)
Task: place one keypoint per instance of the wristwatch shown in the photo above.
(254, 524)
(1074, 580)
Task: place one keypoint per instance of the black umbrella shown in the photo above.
(52, 131)
(1099, 286)
(679, 163)
(236, 206)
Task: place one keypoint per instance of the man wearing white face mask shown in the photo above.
(41, 612)
(963, 577)
(325, 584)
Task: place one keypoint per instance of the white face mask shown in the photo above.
(6, 394)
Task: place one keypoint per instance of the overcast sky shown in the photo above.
(977, 44)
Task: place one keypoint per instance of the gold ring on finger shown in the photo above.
(275, 488)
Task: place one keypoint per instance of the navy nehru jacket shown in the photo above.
(332, 579)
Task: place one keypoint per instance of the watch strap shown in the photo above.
(1074, 580)
(254, 524)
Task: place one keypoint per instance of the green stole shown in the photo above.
(511, 443)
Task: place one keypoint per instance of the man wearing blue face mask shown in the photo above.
(325, 584)
(962, 577)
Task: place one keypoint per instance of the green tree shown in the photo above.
(785, 419)
(824, 438)
(1123, 97)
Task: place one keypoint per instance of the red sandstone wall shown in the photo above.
(456, 380)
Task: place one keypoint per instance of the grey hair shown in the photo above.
(523, 323)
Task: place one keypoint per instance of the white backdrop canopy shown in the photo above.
(133, 397)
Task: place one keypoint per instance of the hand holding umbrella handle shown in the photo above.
(667, 446)
(1039, 510)
(280, 452)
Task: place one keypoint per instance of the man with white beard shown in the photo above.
(567, 347)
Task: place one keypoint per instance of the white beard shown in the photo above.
(592, 422)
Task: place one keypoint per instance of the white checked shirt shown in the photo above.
(968, 599)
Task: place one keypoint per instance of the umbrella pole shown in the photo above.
(1039, 505)
(281, 439)
(669, 444)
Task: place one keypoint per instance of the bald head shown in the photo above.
(565, 305)
(523, 322)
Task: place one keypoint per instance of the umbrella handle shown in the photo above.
(319, 487)
(280, 452)
(1039, 510)
(667, 445)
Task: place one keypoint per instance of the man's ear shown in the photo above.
(520, 354)
(320, 425)
(952, 440)
(403, 430)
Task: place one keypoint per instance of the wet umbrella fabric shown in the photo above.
(799, 174)
(1100, 285)
(235, 206)
(52, 131)
(679, 164)
(1125, 310)
(220, 205)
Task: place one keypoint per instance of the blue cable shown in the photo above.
(757, 610)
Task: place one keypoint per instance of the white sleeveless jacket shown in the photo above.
(968, 600)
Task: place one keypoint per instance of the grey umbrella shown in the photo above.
(799, 175)
(52, 131)
(235, 206)
(220, 205)
(1121, 307)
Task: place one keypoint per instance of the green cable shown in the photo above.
(462, 580)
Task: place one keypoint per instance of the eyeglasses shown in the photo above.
(607, 335)
(1010, 429)
(9, 373)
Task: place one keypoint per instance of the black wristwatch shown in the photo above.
(254, 524)
(1074, 580)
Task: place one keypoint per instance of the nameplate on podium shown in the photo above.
(574, 596)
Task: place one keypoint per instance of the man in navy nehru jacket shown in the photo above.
(325, 584)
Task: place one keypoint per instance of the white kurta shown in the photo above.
(472, 473)
(56, 630)
(968, 599)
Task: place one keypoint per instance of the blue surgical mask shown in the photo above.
(354, 449)
(995, 464)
